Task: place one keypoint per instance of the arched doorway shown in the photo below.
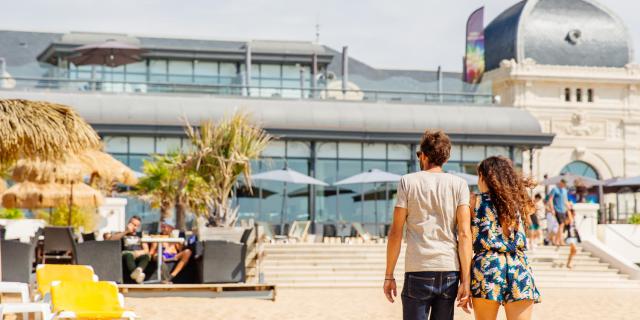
(582, 194)
(581, 168)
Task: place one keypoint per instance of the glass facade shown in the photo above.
(329, 161)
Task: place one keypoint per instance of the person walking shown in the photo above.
(434, 207)
(559, 199)
(500, 273)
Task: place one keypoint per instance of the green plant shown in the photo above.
(221, 153)
(80, 217)
(169, 182)
(11, 213)
(635, 218)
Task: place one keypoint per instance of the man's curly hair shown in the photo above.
(436, 145)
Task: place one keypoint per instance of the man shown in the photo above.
(135, 254)
(171, 252)
(434, 206)
(559, 200)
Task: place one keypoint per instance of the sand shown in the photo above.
(370, 304)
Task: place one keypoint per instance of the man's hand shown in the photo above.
(390, 290)
(464, 296)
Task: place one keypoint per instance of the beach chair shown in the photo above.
(17, 259)
(49, 273)
(105, 257)
(299, 230)
(88, 300)
(362, 233)
(59, 245)
(267, 234)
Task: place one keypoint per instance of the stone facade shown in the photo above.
(593, 111)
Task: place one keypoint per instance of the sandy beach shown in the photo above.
(370, 304)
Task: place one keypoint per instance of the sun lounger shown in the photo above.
(15, 288)
(49, 273)
(362, 233)
(88, 299)
(25, 308)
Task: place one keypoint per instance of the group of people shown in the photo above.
(469, 249)
(553, 222)
(136, 254)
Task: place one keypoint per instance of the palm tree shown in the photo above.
(168, 183)
(221, 153)
(159, 183)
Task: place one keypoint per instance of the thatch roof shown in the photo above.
(42, 130)
(31, 195)
(92, 163)
(106, 167)
(47, 171)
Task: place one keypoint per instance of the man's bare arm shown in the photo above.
(394, 245)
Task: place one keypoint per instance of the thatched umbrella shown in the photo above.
(42, 130)
(33, 195)
(103, 166)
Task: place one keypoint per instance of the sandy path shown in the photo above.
(370, 304)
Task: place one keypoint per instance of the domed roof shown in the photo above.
(558, 32)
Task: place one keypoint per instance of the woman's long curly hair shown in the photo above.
(507, 190)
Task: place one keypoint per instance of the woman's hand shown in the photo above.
(464, 296)
(390, 290)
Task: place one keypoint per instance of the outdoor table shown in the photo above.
(160, 241)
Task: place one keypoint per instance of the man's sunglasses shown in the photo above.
(418, 154)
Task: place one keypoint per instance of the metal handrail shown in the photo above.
(442, 97)
(624, 237)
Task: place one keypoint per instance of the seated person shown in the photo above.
(134, 253)
(171, 252)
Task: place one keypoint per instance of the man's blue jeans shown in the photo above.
(429, 294)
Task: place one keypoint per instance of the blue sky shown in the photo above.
(408, 34)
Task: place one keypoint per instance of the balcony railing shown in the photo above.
(85, 85)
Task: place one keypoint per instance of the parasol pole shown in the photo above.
(70, 204)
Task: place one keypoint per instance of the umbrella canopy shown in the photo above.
(110, 53)
(245, 192)
(31, 195)
(472, 180)
(572, 179)
(288, 176)
(371, 176)
(106, 168)
(72, 169)
(46, 171)
(43, 130)
(628, 182)
(326, 191)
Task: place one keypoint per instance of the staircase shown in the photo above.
(362, 265)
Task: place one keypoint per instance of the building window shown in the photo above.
(581, 168)
(567, 94)
(590, 95)
(578, 95)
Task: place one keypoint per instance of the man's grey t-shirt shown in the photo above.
(431, 199)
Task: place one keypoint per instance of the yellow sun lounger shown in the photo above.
(88, 299)
(48, 273)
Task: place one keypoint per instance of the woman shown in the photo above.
(500, 273)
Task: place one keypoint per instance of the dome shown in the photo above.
(558, 32)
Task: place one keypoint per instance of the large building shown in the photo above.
(570, 64)
(574, 83)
